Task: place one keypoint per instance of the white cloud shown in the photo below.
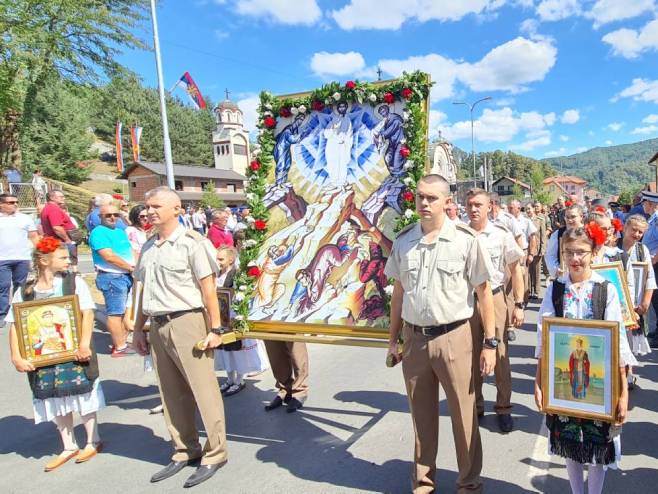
(640, 90)
(249, 106)
(556, 152)
(630, 43)
(534, 140)
(391, 14)
(306, 12)
(615, 126)
(570, 117)
(436, 118)
(649, 129)
(529, 27)
(608, 142)
(564, 138)
(508, 67)
(338, 64)
(650, 119)
(581, 149)
(555, 10)
(606, 11)
(220, 34)
(503, 125)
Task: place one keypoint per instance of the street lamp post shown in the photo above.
(471, 107)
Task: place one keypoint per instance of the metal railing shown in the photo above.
(27, 196)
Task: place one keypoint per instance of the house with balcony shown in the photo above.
(504, 186)
(567, 185)
(190, 182)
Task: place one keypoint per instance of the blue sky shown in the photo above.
(564, 75)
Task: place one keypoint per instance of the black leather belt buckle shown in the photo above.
(429, 330)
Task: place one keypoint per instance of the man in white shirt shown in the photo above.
(18, 236)
(199, 221)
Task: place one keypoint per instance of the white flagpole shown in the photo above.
(169, 165)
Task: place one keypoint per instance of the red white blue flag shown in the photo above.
(192, 90)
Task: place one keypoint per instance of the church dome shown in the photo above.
(228, 105)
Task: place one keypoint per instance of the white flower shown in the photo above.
(239, 317)
(403, 141)
(238, 297)
(408, 213)
(242, 288)
(405, 115)
(267, 114)
(327, 101)
(337, 96)
(250, 219)
(389, 290)
(407, 180)
(372, 97)
(294, 111)
(251, 264)
(250, 243)
(302, 109)
(268, 106)
(563, 418)
(251, 196)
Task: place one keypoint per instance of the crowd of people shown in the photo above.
(461, 286)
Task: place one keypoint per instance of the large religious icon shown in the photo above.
(580, 370)
(48, 330)
(334, 195)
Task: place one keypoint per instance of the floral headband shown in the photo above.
(596, 233)
(619, 226)
(48, 245)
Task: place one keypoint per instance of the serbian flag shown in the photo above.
(135, 136)
(187, 83)
(119, 147)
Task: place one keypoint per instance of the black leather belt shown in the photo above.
(433, 331)
(165, 318)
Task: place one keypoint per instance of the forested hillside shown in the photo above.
(611, 169)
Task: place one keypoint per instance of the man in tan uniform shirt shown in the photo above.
(436, 266)
(505, 255)
(534, 269)
(177, 268)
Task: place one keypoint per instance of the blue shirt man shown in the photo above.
(650, 205)
(94, 219)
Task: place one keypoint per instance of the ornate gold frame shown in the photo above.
(629, 323)
(645, 271)
(611, 326)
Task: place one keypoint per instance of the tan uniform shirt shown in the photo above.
(510, 222)
(502, 248)
(540, 224)
(171, 269)
(438, 278)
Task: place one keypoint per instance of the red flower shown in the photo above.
(285, 112)
(405, 151)
(407, 93)
(317, 105)
(260, 225)
(48, 245)
(253, 271)
(619, 226)
(389, 98)
(408, 196)
(568, 204)
(118, 197)
(596, 233)
(254, 165)
(269, 122)
(599, 209)
(350, 85)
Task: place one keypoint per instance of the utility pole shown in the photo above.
(471, 107)
(169, 165)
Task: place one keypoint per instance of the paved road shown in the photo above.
(354, 434)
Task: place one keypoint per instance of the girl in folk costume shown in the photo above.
(611, 252)
(631, 243)
(583, 294)
(61, 389)
(241, 357)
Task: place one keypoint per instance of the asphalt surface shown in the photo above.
(354, 433)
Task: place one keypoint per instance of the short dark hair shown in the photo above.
(51, 193)
(4, 197)
(133, 215)
(475, 191)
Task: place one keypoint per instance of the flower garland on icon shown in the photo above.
(412, 88)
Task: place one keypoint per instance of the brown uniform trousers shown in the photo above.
(187, 376)
(502, 371)
(289, 362)
(535, 273)
(445, 360)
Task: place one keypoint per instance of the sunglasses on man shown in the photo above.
(111, 215)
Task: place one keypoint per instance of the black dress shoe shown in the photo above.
(293, 405)
(505, 423)
(275, 403)
(203, 473)
(172, 469)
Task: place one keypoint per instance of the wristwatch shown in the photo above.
(491, 343)
(518, 305)
(218, 331)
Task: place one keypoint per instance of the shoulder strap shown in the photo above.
(624, 259)
(195, 235)
(560, 232)
(639, 251)
(558, 298)
(68, 284)
(599, 300)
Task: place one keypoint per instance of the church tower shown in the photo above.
(230, 139)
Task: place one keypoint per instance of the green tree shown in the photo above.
(59, 137)
(210, 198)
(70, 39)
(627, 194)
